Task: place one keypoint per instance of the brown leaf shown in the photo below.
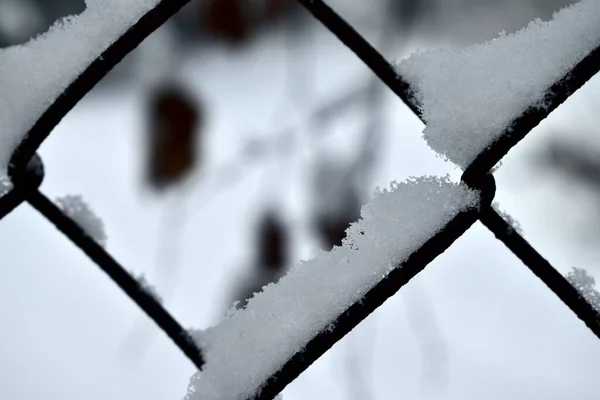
(174, 119)
(226, 19)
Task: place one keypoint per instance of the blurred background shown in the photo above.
(242, 137)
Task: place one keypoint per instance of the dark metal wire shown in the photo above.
(136, 292)
(25, 153)
(476, 175)
(86, 81)
(555, 95)
(517, 130)
(541, 268)
(522, 125)
(10, 201)
(479, 169)
(25, 180)
(375, 297)
(363, 50)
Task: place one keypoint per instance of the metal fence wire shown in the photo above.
(26, 173)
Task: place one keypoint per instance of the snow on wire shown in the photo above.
(585, 285)
(41, 82)
(398, 232)
(470, 96)
(250, 345)
(79, 211)
(35, 74)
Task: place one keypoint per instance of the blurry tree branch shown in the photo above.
(252, 151)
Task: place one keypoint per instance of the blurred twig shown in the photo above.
(233, 171)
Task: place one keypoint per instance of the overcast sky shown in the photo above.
(503, 334)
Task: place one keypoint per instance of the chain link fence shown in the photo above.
(26, 173)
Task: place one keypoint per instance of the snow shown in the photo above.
(585, 284)
(469, 96)
(5, 185)
(148, 287)
(79, 211)
(515, 225)
(250, 344)
(34, 74)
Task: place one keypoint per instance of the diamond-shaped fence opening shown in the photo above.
(472, 202)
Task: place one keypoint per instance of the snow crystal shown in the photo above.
(585, 284)
(469, 97)
(36, 73)
(148, 287)
(79, 211)
(516, 225)
(251, 344)
(5, 185)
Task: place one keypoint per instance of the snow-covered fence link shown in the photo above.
(583, 65)
(103, 35)
(457, 206)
